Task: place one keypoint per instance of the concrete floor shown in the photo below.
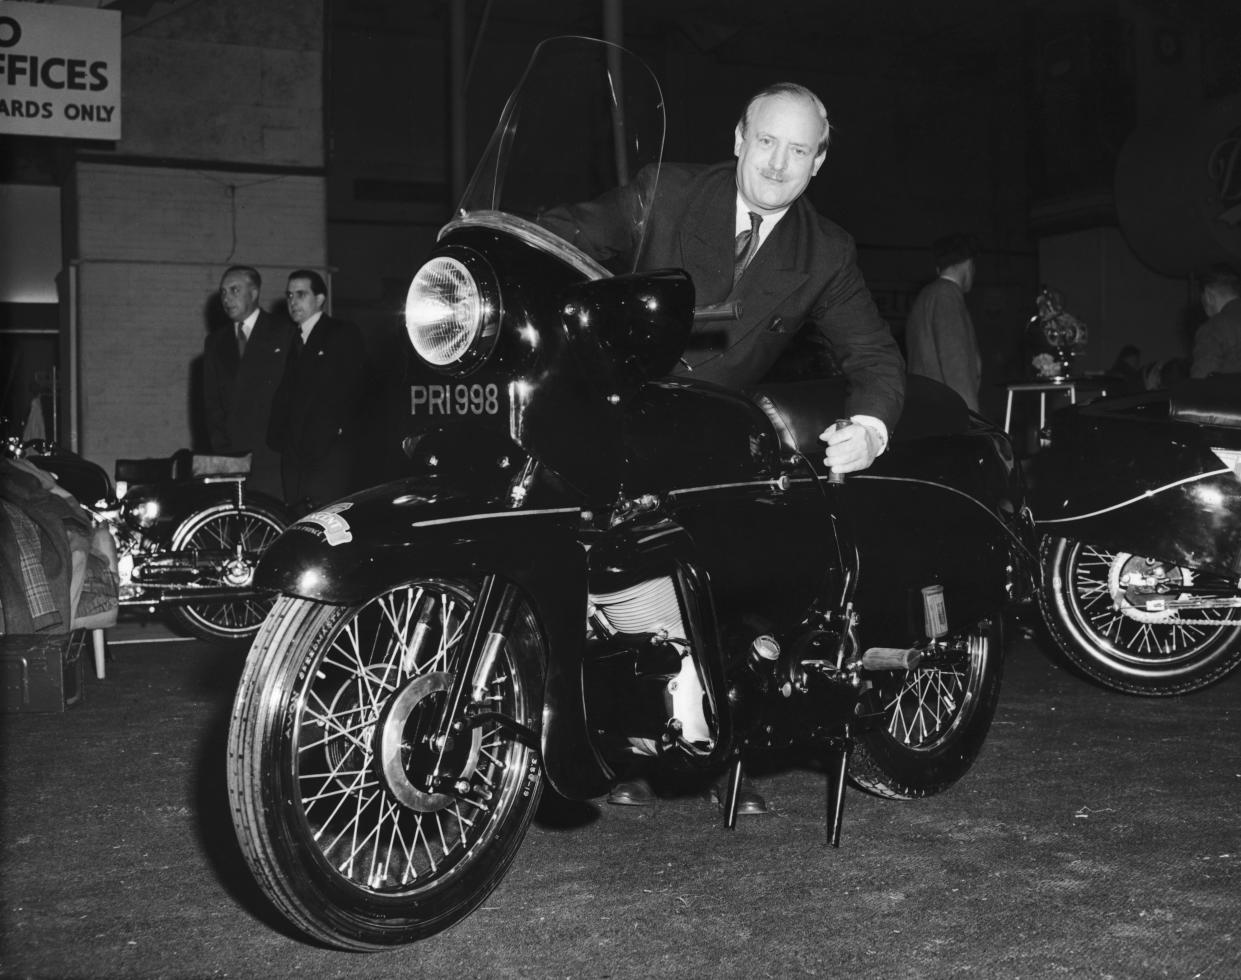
(1097, 836)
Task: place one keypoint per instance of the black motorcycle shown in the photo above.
(1139, 506)
(591, 560)
(188, 534)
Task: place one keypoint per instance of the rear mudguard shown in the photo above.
(1152, 487)
(363, 545)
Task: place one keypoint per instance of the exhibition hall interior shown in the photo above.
(1090, 147)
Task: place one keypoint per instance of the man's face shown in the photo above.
(303, 303)
(967, 275)
(779, 151)
(238, 296)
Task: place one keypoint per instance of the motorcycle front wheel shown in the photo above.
(225, 543)
(367, 816)
(935, 717)
(1084, 600)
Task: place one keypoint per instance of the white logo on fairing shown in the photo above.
(335, 528)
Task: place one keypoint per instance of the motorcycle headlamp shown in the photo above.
(452, 311)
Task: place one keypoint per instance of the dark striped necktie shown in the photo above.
(746, 246)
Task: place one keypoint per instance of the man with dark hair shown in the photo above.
(1217, 344)
(242, 367)
(939, 335)
(316, 412)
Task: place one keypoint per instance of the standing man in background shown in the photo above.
(316, 413)
(939, 335)
(242, 367)
(1217, 344)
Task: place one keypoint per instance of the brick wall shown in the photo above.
(152, 244)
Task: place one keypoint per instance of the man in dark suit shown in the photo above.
(744, 232)
(939, 334)
(242, 367)
(316, 412)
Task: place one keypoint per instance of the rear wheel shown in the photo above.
(1096, 604)
(935, 717)
(226, 543)
(367, 818)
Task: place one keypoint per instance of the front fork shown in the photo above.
(466, 706)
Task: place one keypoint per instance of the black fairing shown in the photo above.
(1126, 475)
(567, 384)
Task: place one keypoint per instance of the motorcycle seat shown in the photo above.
(220, 465)
(800, 410)
(159, 469)
(1207, 401)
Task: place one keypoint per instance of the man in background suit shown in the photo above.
(798, 268)
(939, 335)
(316, 413)
(242, 367)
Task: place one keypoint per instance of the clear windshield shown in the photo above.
(583, 122)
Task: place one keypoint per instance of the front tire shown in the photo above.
(935, 717)
(1084, 600)
(231, 541)
(334, 732)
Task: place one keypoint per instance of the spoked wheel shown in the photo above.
(935, 717)
(226, 543)
(369, 811)
(1096, 604)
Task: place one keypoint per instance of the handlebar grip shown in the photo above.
(832, 475)
(718, 311)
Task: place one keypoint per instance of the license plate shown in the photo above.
(456, 400)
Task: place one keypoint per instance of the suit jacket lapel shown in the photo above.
(706, 239)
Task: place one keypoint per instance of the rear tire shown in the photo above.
(937, 717)
(1119, 645)
(237, 538)
(333, 735)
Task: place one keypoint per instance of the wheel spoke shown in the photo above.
(224, 537)
(1100, 609)
(926, 705)
(391, 663)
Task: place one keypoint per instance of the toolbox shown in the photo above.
(42, 673)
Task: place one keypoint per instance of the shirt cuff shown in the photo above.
(876, 426)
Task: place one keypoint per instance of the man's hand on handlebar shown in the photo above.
(850, 447)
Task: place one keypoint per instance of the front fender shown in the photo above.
(370, 542)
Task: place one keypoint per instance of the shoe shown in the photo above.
(750, 803)
(633, 789)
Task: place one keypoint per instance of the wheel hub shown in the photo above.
(238, 573)
(413, 758)
(1132, 580)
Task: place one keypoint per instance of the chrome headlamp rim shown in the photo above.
(490, 310)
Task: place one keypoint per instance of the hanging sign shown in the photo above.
(60, 71)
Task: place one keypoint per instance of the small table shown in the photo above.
(1068, 386)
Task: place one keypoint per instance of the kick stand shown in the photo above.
(838, 752)
(730, 794)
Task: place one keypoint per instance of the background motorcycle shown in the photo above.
(589, 558)
(188, 535)
(1139, 505)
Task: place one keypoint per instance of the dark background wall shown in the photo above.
(318, 133)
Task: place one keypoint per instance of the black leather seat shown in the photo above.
(1208, 401)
